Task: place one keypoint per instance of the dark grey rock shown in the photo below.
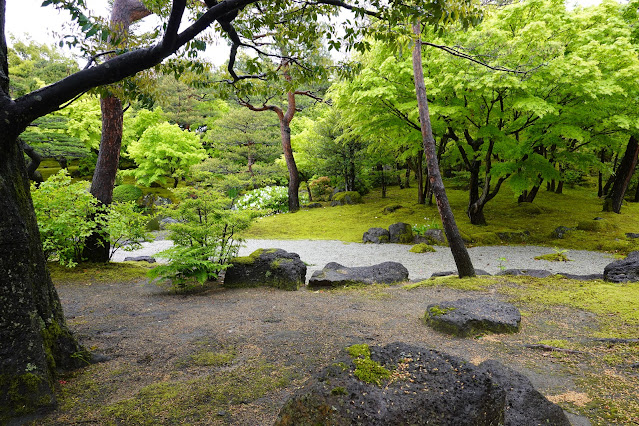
(469, 317)
(560, 231)
(391, 209)
(401, 233)
(167, 221)
(478, 272)
(313, 206)
(598, 218)
(266, 268)
(336, 275)
(525, 406)
(589, 277)
(431, 236)
(514, 237)
(536, 273)
(152, 200)
(623, 270)
(346, 197)
(431, 388)
(632, 235)
(149, 259)
(376, 235)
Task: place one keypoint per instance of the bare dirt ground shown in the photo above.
(233, 356)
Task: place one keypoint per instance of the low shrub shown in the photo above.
(126, 193)
(267, 200)
(321, 188)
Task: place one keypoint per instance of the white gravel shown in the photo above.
(317, 253)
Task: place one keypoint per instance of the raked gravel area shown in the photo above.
(317, 253)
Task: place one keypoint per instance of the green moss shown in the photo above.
(193, 400)
(436, 311)
(348, 197)
(486, 238)
(555, 343)
(126, 193)
(422, 248)
(554, 257)
(339, 390)
(25, 393)
(88, 273)
(469, 284)
(594, 225)
(366, 369)
(208, 358)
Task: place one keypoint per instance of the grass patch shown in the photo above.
(88, 273)
(503, 214)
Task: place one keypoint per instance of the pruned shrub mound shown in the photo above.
(126, 192)
(346, 197)
(422, 248)
(401, 384)
(266, 268)
(470, 317)
(321, 189)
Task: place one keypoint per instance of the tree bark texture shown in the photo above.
(460, 254)
(623, 174)
(34, 338)
(123, 14)
(293, 175)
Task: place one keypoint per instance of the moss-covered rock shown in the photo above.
(346, 197)
(267, 268)
(401, 233)
(422, 248)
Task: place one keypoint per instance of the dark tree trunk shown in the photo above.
(529, 196)
(475, 209)
(32, 167)
(293, 175)
(551, 185)
(407, 179)
(600, 185)
(34, 338)
(380, 169)
(622, 177)
(308, 189)
(636, 199)
(62, 161)
(419, 175)
(460, 254)
(560, 187)
(97, 245)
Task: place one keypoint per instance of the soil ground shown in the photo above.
(228, 356)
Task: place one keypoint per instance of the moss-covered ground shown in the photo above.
(576, 207)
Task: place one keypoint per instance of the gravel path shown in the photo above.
(317, 253)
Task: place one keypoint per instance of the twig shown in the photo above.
(547, 348)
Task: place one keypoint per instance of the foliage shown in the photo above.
(126, 226)
(321, 188)
(205, 237)
(420, 229)
(126, 193)
(268, 200)
(63, 210)
(165, 149)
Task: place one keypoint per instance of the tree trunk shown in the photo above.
(123, 14)
(308, 189)
(419, 175)
(560, 187)
(34, 338)
(97, 245)
(623, 174)
(460, 254)
(293, 175)
(407, 180)
(475, 209)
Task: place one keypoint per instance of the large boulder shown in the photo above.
(346, 197)
(336, 275)
(401, 233)
(561, 231)
(469, 317)
(623, 270)
(266, 268)
(401, 384)
(376, 236)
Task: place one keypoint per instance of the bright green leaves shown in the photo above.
(165, 150)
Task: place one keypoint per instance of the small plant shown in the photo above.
(126, 227)
(502, 260)
(366, 369)
(205, 237)
(557, 256)
(430, 224)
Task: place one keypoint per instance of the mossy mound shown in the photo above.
(595, 225)
(126, 193)
(554, 257)
(346, 197)
(422, 248)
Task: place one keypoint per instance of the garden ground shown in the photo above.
(223, 356)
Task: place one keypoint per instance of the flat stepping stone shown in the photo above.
(336, 275)
(478, 272)
(535, 273)
(149, 259)
(470, 317)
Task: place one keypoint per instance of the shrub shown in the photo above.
(430, 224)
(268, 200)
(126, 193)
(67, 214)
(205, 237)
(62, 209)
(422, 248)
(321, 189)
